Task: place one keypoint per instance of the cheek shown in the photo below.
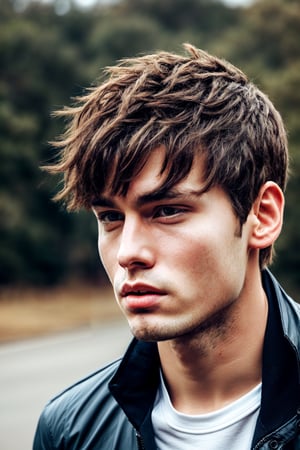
(204, 252)
(196, 244)
(188, 254)
(107, 257)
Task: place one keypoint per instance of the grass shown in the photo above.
(35, 312)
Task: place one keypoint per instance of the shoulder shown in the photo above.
(95, 382)
(84, 412)
(81, 392)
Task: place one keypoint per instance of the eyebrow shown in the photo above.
(153, 196)
(166, 194)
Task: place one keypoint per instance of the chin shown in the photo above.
(152, 333)
(147, 335)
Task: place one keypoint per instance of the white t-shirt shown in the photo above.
(231, 427)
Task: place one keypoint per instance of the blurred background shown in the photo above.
(50, 51)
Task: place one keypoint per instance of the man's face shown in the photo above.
(176, 258)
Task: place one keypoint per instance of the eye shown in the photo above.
(108, 217)
(168, 211)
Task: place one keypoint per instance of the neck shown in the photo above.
(217, 364)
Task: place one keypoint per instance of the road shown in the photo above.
(33, 371)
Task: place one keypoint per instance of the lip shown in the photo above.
(140, 296)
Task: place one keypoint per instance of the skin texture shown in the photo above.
(187, 276)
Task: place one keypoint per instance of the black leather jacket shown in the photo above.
(111, 409)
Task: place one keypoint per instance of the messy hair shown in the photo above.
(192, 104)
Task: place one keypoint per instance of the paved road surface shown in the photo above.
(33, 371)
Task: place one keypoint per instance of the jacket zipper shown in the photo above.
(140, 442)
(260, 443)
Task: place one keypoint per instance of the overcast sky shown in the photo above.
(228, 2)
(88, 3)
(63, 6)
(238, 2)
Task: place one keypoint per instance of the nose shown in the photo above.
(136, 249)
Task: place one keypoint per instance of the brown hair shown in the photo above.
(191, 104)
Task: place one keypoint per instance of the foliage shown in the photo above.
(46, 59)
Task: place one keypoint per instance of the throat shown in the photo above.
(207, 370)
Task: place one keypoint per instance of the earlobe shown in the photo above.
(267, 213)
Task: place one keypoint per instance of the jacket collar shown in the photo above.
(135, 383)
(289, 310)
(280, 374)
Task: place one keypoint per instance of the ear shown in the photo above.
(267, 214)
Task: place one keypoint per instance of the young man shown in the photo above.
(184, 163)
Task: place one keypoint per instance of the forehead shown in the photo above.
(151, 174)
(154, 181)
(168, 163)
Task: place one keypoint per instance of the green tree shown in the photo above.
(38, 73)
